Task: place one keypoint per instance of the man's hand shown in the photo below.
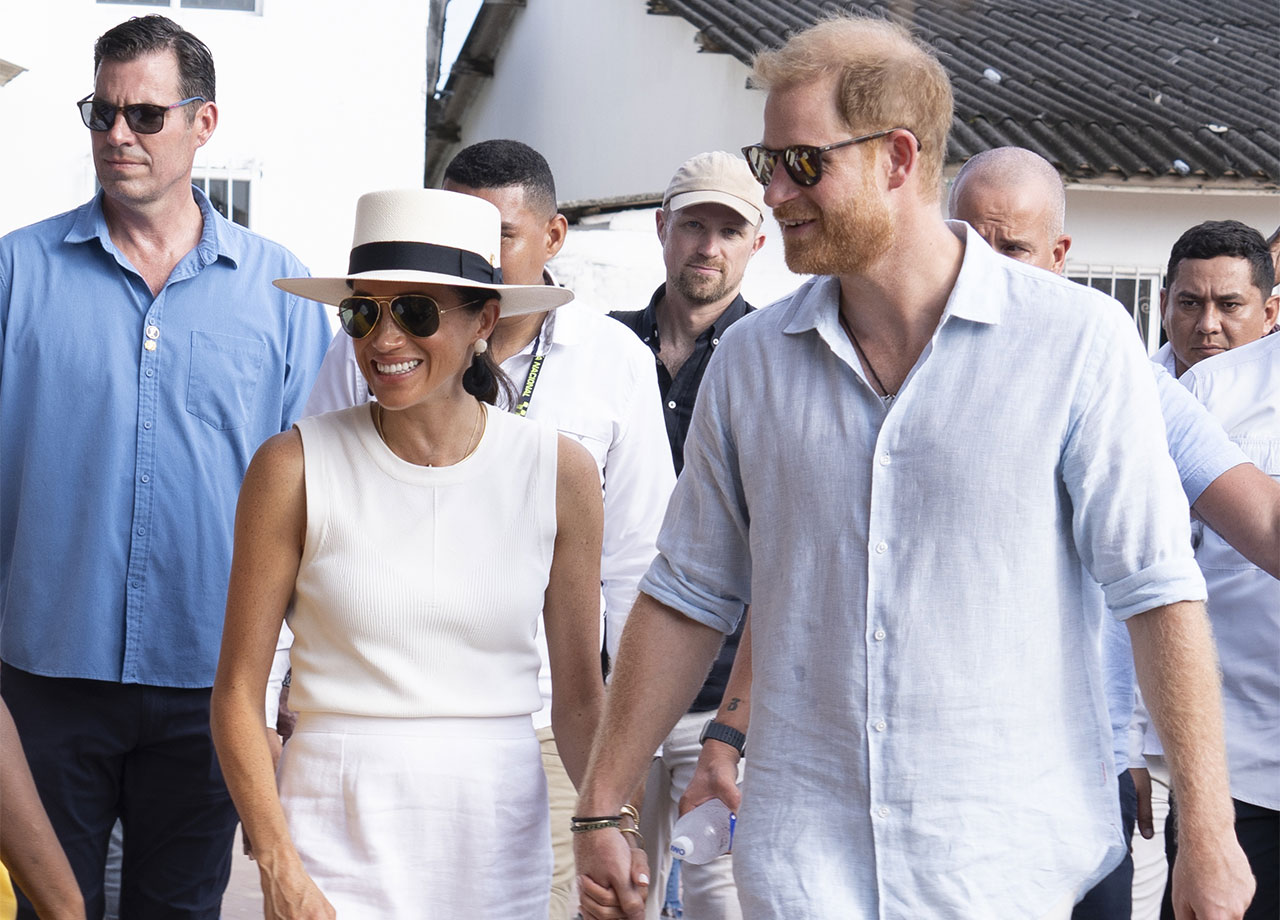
(286, 718)
(1142, 784)
(613, 878)
(1211, 881)
(715, 777)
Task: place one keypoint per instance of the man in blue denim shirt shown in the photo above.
(144, 355)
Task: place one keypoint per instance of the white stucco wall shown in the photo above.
(319, 101)
(613, 97)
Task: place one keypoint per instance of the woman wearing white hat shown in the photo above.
(413, 542)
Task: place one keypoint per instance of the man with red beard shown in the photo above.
(908, 470)
(710, 227)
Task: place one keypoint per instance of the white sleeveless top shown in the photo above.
(420, 588)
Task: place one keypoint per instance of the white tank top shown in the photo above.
(420, 588)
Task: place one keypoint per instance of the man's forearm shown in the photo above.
(735, 705)
(664, 658)
(1177, 669)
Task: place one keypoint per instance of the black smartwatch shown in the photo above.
(718, 731)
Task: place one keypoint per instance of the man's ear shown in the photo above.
(557, 230)
(904, 157)
(1060, 247)
(661, 220)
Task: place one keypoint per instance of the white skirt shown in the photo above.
(420, 818)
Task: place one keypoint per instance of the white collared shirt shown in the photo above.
(596, 386)
(929, 734)
(1241, 389)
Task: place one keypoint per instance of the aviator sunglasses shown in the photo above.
(802, 161)
(141, 117)
(417, 314)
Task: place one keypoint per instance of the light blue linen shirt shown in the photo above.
(928, 731)
(126, 425)
(1201, 451)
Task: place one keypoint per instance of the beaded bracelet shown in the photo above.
(582, 825)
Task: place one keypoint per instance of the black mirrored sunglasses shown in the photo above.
(141, 117)
(803, 162)
(417, 314)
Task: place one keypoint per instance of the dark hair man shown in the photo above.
(145, 357)
(579, 371)
(906, 470)
(1220, 316)
(710, 227)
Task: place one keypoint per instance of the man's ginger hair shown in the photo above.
(886, 78)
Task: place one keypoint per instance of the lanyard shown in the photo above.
(531, 379)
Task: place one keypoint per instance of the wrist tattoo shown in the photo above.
(733, 704)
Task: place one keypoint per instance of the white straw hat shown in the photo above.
(428, 236)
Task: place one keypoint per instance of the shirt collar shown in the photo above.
(215, 238)
(970, 299)
(737, 309)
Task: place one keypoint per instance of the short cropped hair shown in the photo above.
(501, 163)
(1007, 167)
(149, 34)
(1215, 238)
(886, 79)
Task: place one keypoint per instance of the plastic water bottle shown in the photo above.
(704, 833)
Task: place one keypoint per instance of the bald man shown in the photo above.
(1015, 200)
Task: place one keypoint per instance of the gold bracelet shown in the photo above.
(630, 811)
(635, 833)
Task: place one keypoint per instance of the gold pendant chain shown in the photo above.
(472, 443)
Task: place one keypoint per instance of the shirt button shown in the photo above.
(142, 531)
(149, 345)
(150, 372)
(715, 341)
(146, 425)
(146, 478)
(880, 726)
(672, 404)
(884, 459)
(883, 811)
(137, 584)
(882, 547)
(153, 332)
(879, 634)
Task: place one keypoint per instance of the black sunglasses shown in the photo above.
(417, 314)
(141, 117)
(802, 161)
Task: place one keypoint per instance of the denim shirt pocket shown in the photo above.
(223, 378)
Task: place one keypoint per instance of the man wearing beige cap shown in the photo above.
(710, 226)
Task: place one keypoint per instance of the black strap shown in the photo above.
(422, 257)
(531, 379)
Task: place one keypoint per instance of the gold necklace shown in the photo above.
(473, 442)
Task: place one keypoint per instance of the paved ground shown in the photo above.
(243, 900)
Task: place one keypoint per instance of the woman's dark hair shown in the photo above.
(484, 379)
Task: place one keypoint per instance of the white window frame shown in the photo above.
(201, 176)
(1145, 309)
(178, 4)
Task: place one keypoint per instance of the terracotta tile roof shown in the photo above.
(1098, 87)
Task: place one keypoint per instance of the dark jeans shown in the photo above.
(99, 750)
(1112, 898)
(1258, 830)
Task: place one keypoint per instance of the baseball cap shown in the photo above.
(720, 178)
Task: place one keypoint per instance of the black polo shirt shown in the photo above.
(678, 395)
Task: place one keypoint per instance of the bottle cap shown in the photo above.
(680, 846)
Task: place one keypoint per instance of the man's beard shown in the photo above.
(702, 289)
(849, 240)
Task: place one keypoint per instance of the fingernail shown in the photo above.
(644, 880)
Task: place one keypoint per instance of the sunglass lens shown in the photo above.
(98, 116)
(358, 316)
(144, 118)
(761, 163)
(804, 164)
(417, 314)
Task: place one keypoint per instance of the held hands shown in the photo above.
(715, 777)
(613, 877)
